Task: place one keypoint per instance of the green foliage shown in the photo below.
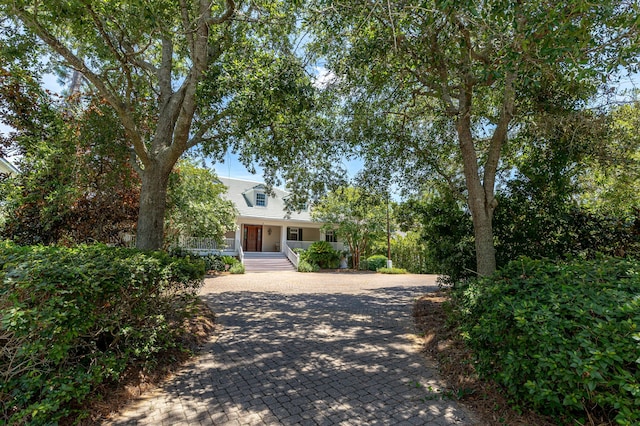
(376, 262)
(392, 271)
(357, 217)
(230, 260)
(529, 221)
(322, 254)
(305, 266)
(611, 181)
(75, 184)
(209, 77)
(446, 231)
(196, 204)
(76, 317)
(562, 337)
(213, 262)
(410, 252)
(237, 268)
(433, 88)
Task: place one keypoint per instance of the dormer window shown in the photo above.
(261, 199)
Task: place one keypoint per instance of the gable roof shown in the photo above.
(242, 194)
(7, 167)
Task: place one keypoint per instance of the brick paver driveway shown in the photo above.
(325, 349)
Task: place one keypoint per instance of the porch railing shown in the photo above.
(196, 244)
(206, 244)
(305, 245)
(292, 256)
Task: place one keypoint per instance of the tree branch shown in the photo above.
(230, 9)
(499, 135)
(121, 107)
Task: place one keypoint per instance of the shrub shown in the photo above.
(561, 337)
(75, 317)
(237, 268)
(323, 254)
(376, 262)
(304, 266)
(230, 260)
(214, 262)
(392, 271)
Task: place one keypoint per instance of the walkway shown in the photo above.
(306, 349)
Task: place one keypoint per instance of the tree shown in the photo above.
(75, 184)
(421, 78)
(356, 217)
(181, 74)
(611, 182)
(196, 204)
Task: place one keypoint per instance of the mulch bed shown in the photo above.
(442, 345)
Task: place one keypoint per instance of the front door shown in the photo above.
(252, 238)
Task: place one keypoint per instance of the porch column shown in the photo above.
(283, 238)
(238, 238)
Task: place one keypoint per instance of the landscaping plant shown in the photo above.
(376, 262)
(561, 337)
(322, 254)
(73, 318)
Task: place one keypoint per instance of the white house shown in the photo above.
(263, 222)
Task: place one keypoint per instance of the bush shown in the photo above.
(304, 266)
(75, 317)
(563, 338)
(230, 260)
(322, 254)
(376, 262)
(237, 268)
(392, 271)
(214, 262)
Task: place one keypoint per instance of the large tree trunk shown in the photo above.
(153, 203)
(482, 215)
(481, 199)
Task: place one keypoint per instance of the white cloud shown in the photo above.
(323, 77)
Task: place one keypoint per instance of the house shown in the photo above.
(264, 224)
(6, 169)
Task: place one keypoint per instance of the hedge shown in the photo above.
(73, 318)
(561, 337)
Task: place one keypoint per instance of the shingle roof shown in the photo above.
(242, 193)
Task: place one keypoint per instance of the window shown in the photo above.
(330, 237)
(294, 234)
(261, 199)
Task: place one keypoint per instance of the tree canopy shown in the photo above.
(356, 217)
(183, 74)
(447, 83)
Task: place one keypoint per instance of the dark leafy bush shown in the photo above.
(376, 262)
(213, 262)
(322, 254)
(564, 338)
(73, 318)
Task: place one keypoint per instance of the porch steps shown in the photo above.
(266, 262)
